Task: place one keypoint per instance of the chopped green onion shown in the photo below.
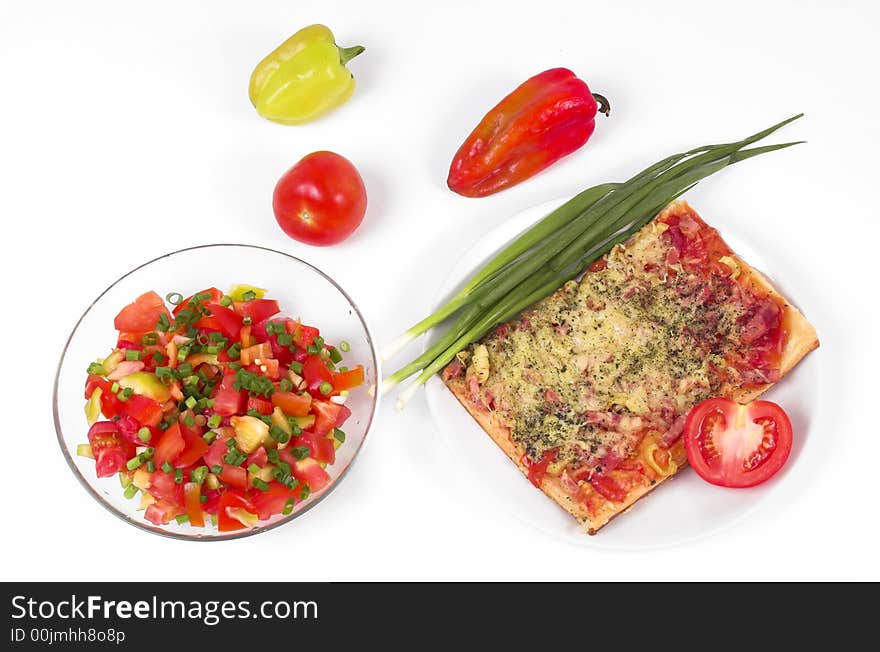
(272, 454)
(217, 469)
(288, 506)
(189, 419)
(230, 443)
(234, 457)
(164, 373)
(166, 466)
(144, 434)
(312, 349)
(296, 367)
(335, 355)
(226, 301)
(178, 476)
(151, 466)
(134, 463)
(234, 351)
(214, 421)
(182, 353)
(199, 474)
(260, 484)
(305, 492)
(130, 491)
(203, 498)
(294, 425)
(114, 387)
(285, 385)
(253, 468)
(247, 321)
(164, 324)
(174, 298)
(278, 434)
(184, 370)
(300, 452)
(344, 346)
(132, 355)
(326, 388)
(96, 369)
(125, 394)
(318, 342)
(148, 453)
(339, 435)
(150, 339)
(158, 356)
(249, 295)
(183, 518)
(201, 297)
(190, 402)
(343, 369)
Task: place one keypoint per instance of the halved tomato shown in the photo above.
(733, 445)
(110, 451)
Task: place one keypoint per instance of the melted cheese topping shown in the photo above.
(626, 351)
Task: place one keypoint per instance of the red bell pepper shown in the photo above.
(547, 117)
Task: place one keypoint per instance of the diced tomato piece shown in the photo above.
(170, 445)
(210, 506)
(142, 315)
(348, 379)
(163, 487)
(261, 405)
(258, 457)
(192, 492)
(294, 405)
(229, 321)
(144, 409)
(227, 399)
(232, 500)
(234, 476)
(110, 451)
(194, 447)
(320, 448)
(327, 414)
(315, 373)
(342, 417)
(258, 309)
(273, 500)
(309, 472)
(129, 428)
(214, 455)
(161, 512)
(216, 295)
(303, 336)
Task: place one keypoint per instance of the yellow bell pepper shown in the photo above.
(303, 78)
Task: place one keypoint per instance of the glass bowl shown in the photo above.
(302, 291)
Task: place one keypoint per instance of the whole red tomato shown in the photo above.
(321, 200)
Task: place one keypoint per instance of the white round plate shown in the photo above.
(682, 509)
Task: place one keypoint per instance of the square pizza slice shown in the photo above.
(587, 391)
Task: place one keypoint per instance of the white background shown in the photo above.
(126, 132)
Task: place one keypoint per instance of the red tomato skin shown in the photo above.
(228, 320)
(228, 400)
(161, 512)
(236, 499)
(315, 373)
(327, 416)
(725, 408)
(271, 501)
(169, 446)
(321, 200)
(141, 315)
(258, 309)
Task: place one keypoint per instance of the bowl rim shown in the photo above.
(236, 534)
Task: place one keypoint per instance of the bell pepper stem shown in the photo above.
(604, 104)
(347, 54)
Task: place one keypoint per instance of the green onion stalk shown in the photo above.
(559, 248)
